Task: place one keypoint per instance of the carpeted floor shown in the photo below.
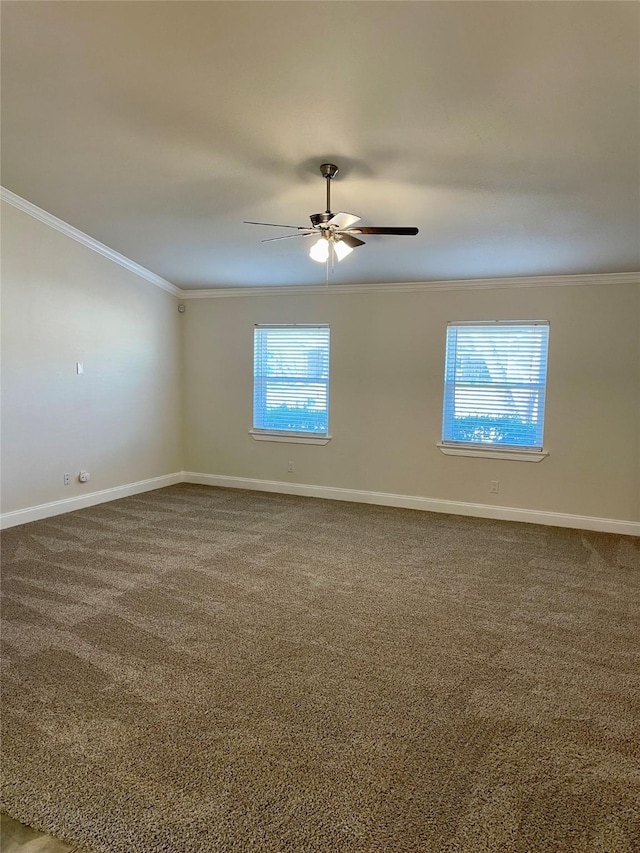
(200, 670)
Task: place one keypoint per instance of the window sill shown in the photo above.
(494, 453)
(289, 437)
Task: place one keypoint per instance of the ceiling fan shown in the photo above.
(337, 231)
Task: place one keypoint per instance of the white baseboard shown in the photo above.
(502, 513)
(36, 513)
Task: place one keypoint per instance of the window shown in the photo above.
(494, 385)
(291, 381)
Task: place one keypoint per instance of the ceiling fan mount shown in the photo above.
(336, 231)
(328, 170)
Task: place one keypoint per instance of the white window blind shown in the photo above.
(291, 379)
(495, 382)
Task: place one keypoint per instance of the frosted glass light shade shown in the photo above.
(341, 249)
(320, 250)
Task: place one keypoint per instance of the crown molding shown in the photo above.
(85, 240)
(314, 289)
(419, 286)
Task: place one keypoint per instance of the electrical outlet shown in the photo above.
(66, 479)
(494, 488)
(290, 467)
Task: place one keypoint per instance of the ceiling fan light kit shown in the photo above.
(337, 230)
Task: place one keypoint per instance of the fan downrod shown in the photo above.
(328, 171)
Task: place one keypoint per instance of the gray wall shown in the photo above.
(387, 363)
(63, 303)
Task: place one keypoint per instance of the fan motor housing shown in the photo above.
(320, 218)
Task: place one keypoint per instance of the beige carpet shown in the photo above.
(200, 670)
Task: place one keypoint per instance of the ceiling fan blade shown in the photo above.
(343, 220)
(307, 233)
(366, 229)
(350, 240)
(276, 225)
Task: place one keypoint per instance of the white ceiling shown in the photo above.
(508, 132)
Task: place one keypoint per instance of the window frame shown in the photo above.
(523, 453)
(290, 436)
